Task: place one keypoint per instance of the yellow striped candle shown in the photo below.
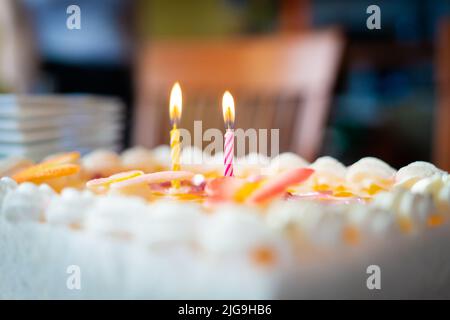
(175, 108)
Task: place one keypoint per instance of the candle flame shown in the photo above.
(228, 109)
(176, 103)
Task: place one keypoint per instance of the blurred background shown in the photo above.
(309, 67)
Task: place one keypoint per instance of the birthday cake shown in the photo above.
(116, 226)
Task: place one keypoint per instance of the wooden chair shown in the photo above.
(280, 82)
(441, 145)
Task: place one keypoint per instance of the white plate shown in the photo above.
(74, 133)
(41, 106)
(13, 123)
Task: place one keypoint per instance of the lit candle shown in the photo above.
(228, 117)
(175, 108)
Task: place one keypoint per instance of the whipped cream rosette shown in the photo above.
(438, 187)
(26, 202)
(329, 175)
(314, 223)
(368, 176)
(139, 158)
(169, 223)
(329, 232)
(371, 223)
(253, 164)
(115, 215)
(6, 185)
(297, 219)
(303, 215)
(442, 197)
(430, 185)
(69, 208)
(286, 161)
(101, 163)
(416, 209)
(193, 159)
(410, 174)
(161, 155)
(239, 231)
(411, 210)
(388, 201)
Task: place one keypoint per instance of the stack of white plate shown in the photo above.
(35, 126)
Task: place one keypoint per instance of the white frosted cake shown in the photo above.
(112, 226)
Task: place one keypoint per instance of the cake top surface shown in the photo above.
(130, 195)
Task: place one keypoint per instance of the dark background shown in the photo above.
(384, 100)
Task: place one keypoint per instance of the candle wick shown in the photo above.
(174, 122)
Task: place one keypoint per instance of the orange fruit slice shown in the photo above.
(44, 171)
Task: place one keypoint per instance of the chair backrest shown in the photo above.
(441, 143)
(280, 82)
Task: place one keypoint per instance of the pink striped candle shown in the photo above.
(228, 117)
(228, 153)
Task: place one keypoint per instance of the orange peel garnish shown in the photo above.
(279, 184)
(223, 188)
(244, 191)
(44, 171)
